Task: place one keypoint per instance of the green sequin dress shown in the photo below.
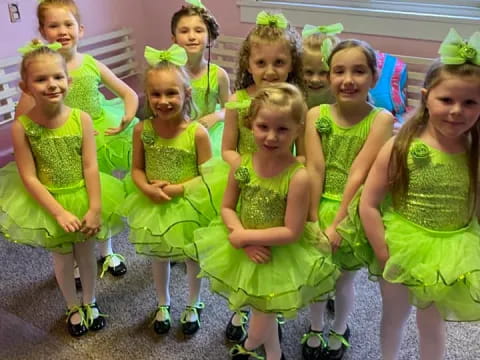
(114, 152)
(433, 241)
(340, 147)
(163, 230)
(296, 275)
(208, 105)
(58, 159)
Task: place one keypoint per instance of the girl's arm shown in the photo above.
(204, 153)
(375, 190)
(315, 162)
(230, 136)
(154, 191)
(229, 203)
(295, 217)
(121, 89)
(381, 131)
(25, 104)
(28, 173)
(92, 219)
(223, 94)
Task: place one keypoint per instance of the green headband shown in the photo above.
(32, 46)
(455, 51)
(277, 20)
(175, 54)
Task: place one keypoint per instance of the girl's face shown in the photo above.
(191, 33)
(315, 74)
(46, 79)
(269, 62)
(166, 94)
(350, 76)
(60, 25)
(274, 130)
(453, 105)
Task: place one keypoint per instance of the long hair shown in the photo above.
(398, 169)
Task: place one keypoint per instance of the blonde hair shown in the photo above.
(314, 42)
(398, 169)
(31, 56)
(188, 104)
(283, 97)
(271, 33)
(45, 5)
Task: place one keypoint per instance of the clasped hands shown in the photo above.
(239, 238)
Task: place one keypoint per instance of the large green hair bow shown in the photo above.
(175, 54)
(197, 3)
(328, 30)
(277, 20)
(455, 51)
(35, 45)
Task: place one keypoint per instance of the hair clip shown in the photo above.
(277, 20)
(175, 54)
(455, 51)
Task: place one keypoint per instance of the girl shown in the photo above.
(167, 152)
(195, 29)
(318, 43)
(342, 141)
(59, 20)
(428, 245)
(57, 203)
(270, 261)
(271, 53)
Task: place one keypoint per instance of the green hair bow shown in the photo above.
(35, 45)
(197, 3)
(455, 51)
(175, 54)
(277, 20)
(328, 30)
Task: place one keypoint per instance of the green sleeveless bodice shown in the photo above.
(263, 201)
(204, 105)
(83, 93)
(57, 152)
(438, 189)
(246, 142)
(173, 160)
(340, 147)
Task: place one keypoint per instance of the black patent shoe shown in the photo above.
(97, 322)
(311, 352)
(237, 333)
(331, 306)
(76, 329)
(118, 270)
(163, 326)
(189, 328)
(337, 354)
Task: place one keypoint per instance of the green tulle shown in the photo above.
(216, 135)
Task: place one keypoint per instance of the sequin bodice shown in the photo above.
(204, 105)
(173, 160)
(263, 201)
(83, 93)
(246, 142)
(438, 190)
(57, 152)
(340, 147)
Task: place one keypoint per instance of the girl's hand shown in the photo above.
(209, 120)
(382, 256)
(258, 254)
(156, 193)
(236, 238)
(68, 221)
(334, 238)
(91, 222)
(173, 190)
(123, 125)
(160, 183)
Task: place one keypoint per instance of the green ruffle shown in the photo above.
(216, 135)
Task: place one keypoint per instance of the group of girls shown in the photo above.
(272, 235)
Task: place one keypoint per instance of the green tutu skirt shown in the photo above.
(165, 229)
(216, 135)
(344, 256)
(296, 275)
(24, 221)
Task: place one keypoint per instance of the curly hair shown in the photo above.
(44, 5)
(271, 33)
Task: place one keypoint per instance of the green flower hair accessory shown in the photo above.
(420, 152)
(197, 3)
(37, 44)
(175, 54)
(238, 105)
(324, 125)
(277, 20)
(328, 30)
(148, 137)
(242, 175)
(455, 51)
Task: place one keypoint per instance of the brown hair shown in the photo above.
(44, 5)
(30, 57)
(362, 45)
(188, 105)
(314, 42)
(398, 169)
(271, 33)
(283, 97)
